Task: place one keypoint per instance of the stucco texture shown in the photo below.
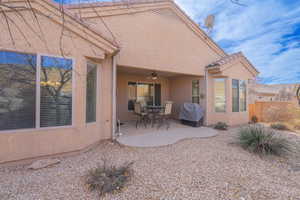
(31, 143)
(156, 39)
(237, 71)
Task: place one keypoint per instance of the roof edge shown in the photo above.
(113, 3)
(231, 59)
(114, 47)
(190, 22)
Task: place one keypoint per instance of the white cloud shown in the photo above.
(258, 30)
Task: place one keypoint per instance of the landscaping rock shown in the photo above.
(43, 164)
(295, 168)
(193, 169)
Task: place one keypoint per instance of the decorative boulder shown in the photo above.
(43, 164)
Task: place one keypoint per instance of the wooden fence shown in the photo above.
(264, 110)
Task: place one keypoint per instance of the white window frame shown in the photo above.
(97, 90)
(238, 89)
(198, 90)
(214, 96)
(38, 93)
(246, 98)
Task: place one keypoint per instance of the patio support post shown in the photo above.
(114, 94)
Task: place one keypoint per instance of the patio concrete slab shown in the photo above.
(165, 137)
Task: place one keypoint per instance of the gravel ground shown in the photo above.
(206, 169)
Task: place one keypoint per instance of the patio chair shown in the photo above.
(164, 117)
(142, 117)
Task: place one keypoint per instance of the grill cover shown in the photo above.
(191, 112)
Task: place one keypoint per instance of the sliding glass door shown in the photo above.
(145, 93)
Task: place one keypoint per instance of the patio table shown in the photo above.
(154, 111)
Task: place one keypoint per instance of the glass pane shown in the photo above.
(131, 95)
(91, 92)
(195, 88)
(157, 94)
(145, 94)
(195, 91)
(220, 95)
(17, 90)
(243, 91)
(56, 92)
(235, 95)
(196, 100)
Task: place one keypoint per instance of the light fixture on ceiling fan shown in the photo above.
(153, 76)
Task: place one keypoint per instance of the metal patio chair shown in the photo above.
(165, 116)
(142, 117)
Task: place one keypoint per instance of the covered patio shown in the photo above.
(155, 88)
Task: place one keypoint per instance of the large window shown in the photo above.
(34, 94)
(243, 96)
(195, 91)
(220, 94)
(17, 90)
(145, 93)
(239, 98)
(235, 96)
(91, 92)
(56, 92)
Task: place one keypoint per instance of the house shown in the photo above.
(273, 92)
(67, 77)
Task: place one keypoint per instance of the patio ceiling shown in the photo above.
(147, 72)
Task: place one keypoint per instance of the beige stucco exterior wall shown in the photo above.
(231, 71)
(157, 40)
(122, 92)
(24, 144)
(181, 91)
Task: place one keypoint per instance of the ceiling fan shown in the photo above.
(153, 76)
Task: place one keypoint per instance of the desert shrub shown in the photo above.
(254, 119)
(108, 179)
(221, 126)
(279, 126)
(262, 141)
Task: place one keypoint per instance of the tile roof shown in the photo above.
(113, 3)
(226, 59)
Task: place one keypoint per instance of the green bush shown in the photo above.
(104, 179)
(279, 126)
(221, 126)
(260, 140)
(254, 119)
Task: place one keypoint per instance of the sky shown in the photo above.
(266, 31)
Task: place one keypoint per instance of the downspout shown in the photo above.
(114, 95)
(206, 96)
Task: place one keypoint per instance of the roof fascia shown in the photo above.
(48, 8)
(241, 60)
